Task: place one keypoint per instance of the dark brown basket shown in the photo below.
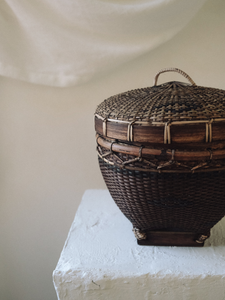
(170, 188)
(182, 202)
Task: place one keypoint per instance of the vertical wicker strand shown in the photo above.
(168, 133)
(104, 125)
(130, 131)
(206, 132)
(165, 133)
(210, 130)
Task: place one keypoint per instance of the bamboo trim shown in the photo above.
(210, 130)
(177, 154)
(104, 127)
(168, 133)
(207, 132)
(130, 131)
(165, 134)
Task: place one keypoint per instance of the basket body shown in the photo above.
(185, 203)
(182, 202)
(162, 155)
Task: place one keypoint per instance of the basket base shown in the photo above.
(169, 238)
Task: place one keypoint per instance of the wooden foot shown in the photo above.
(169, 238)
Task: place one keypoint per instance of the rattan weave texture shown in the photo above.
(172, 101)
(171, 202)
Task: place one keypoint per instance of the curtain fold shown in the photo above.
(67, 42)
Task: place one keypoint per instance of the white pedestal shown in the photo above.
(102, 261)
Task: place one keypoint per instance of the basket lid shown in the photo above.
(173, 112)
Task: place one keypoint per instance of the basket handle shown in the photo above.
(173, 70)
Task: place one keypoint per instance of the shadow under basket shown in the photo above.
(167, 209)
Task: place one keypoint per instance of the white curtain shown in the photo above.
(67, 42)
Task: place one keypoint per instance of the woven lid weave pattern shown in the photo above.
(172, 101)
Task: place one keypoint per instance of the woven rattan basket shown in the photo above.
(161, 152)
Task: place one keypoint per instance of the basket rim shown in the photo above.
(172, 153)
(177, 161)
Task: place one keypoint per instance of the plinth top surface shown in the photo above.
(101, 243)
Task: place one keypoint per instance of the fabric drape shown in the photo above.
(67, 42)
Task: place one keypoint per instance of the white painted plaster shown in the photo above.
(101, 260)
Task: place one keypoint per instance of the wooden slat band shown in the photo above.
(177, 155)
(167, 127)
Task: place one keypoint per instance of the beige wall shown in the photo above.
(48, 156)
